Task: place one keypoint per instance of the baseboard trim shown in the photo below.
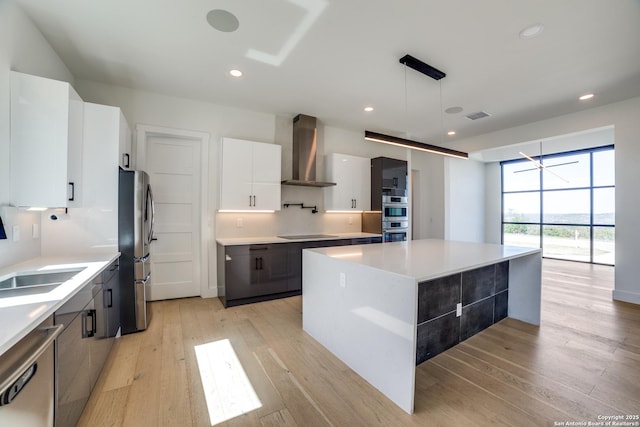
(626, 296)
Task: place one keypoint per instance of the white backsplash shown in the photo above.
(288, 221)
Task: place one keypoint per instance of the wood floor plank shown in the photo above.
(280, 418)
(582, 361)
(193, 335)
(174, 387)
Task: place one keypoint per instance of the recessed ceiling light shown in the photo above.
(223, 20)
(235, 73)
(451, 132)
(368, 109)
(586, 96)
(531, 31)
(453, 110)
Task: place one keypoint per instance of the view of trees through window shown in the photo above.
(567, 207)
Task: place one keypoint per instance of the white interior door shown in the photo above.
(173, 165)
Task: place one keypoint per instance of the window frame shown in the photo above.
(541, 191)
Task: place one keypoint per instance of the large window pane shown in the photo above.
(566, 207)
(603, 168)
(521, 207)
(571, 171)
(566, 242)
(526, 235)
(604, 249)
(520, 176)
(604, 206)
(573, 215)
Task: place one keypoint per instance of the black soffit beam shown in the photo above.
(420, 66)
(394, 140)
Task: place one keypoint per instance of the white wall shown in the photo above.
(429, 196)
(22, 48)
(624, 117)
(493, 203)
(464, 200)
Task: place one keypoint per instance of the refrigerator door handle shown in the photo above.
(150, 238)
(141, 302)
(142, 259)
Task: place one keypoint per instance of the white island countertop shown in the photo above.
(20, 314)
(425, 259)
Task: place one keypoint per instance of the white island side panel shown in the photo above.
(369, 323)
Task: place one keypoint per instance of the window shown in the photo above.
(566, 208)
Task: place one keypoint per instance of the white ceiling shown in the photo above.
(331, 58)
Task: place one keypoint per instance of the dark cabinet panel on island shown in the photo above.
(438, 297)
(436, 336)
(473, 300)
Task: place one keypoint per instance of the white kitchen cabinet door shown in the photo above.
(266, 176)
(125, 150)
(46, 142)
(352, 175)
(250, 178)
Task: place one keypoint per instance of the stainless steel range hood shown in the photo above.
(305, 145)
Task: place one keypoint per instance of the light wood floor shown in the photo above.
(582, 362)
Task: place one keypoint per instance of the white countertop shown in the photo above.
(20, 314)
(425, 259)
(231, 241)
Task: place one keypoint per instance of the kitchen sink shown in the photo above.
(35, 282)
(308, 236)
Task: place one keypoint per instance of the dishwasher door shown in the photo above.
(26, 379)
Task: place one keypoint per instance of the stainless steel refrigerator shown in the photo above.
(136, 210)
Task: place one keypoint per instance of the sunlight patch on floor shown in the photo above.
(227, 388)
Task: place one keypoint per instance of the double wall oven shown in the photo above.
(395, 218)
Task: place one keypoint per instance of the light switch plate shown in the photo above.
(16, 233)
(35, 231)
(343, 280)
(239, 223)
(459, 309)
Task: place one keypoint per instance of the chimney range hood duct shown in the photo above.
(305, 145)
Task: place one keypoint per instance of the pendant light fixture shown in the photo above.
(434, 73)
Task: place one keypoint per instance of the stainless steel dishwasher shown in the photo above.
(26, 379)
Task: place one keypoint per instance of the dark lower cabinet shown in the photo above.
(91, 319)
(252, 273)
(483, 295)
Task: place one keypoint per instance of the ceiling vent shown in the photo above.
(477, 115)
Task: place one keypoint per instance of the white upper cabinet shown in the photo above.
(352, 176)
(250, 178)
(105, 133)
(46, 142)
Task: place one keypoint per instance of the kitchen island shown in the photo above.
(384, 308)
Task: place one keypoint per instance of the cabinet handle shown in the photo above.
(395, 181)
(256, 264)
(254, 201)
(110, 304)
(250, 201)
(89, 330)
(260, 263)
(73, 192)
(125, 160)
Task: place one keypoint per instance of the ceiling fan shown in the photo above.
(540, 166)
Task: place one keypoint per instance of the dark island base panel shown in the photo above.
(251, 300)
(484, 295)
